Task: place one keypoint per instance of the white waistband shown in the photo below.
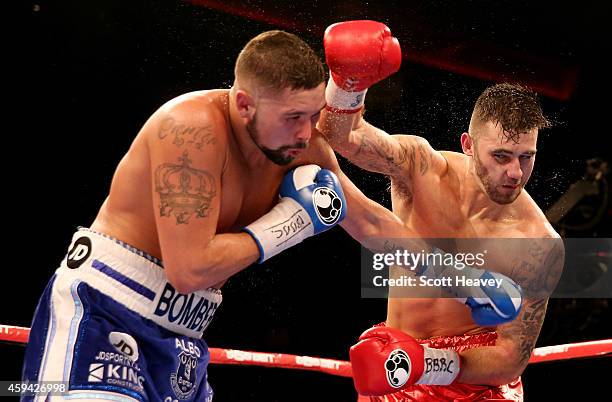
(137, 280)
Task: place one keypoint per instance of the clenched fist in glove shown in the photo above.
(359, 54)
(387, 360)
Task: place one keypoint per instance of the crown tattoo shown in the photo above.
(184, 190)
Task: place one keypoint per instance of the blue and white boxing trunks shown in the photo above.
(111, 326)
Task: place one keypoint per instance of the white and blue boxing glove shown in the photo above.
(490, 305)
(311, 202)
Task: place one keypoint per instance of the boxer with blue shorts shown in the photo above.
(215, 181)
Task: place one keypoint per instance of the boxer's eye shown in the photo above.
(315, 118)
(500, 158)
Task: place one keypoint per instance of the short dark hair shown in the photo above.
(279, 60)
(515, 107)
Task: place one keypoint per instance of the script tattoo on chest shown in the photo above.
(183, 190)
(186, 135)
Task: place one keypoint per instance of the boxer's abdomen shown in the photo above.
(428, 317)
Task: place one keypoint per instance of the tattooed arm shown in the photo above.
(372, 149)
(366, 221)
(504, 362)
(187, 149)
(517, 339)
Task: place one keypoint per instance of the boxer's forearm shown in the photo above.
(489, 365)
(225, 255)
(374, 226)
(368, 222)
(361, 143)
(337, 128)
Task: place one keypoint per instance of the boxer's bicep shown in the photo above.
(364, 145)
(186, 161)
(426, 160)
(404, 156)
(337, 130)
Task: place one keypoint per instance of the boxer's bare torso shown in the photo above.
(129, 211)
(447, 195)
(441, 209)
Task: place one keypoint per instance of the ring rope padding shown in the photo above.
(20, 335)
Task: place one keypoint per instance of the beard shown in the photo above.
(276, 156)
(491, 188)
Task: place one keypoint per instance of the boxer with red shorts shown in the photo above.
(441, 194)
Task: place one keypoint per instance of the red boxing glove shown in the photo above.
(359, 54)
(386, 360)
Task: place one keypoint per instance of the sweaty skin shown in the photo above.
(440, 208)
(197, 145)
(438, 195)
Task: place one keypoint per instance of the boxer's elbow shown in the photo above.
(360, 231)
(502, 378)
(372, 222)
(508, 371)
(198, 268)
(369, 235)
(180, 281)
(516, 363)
(492, 366)
(515, 370)
(186, 277)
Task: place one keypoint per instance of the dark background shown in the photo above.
(87, 74)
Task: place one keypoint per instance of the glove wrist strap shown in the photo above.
(441, 366)
(341, 101)
(286, 225)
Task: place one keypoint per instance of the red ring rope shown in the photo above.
(9, 333)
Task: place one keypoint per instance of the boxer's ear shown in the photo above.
(467, 144)
(245, 104)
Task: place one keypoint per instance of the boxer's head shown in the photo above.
(502, 139)
(279, 91)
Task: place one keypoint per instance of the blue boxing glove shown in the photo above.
(311, 202)
(496, 301)
(493, 298)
